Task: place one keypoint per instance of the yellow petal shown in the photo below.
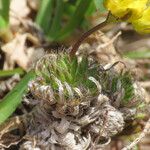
(128, 10)
(142, 25)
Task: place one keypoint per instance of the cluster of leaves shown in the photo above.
(70, 71)
(76, 74)
(126, 82)
(122, 83)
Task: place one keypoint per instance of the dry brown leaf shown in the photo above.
(7, 137)
(17, 52)
(101, 47)
(18, 10)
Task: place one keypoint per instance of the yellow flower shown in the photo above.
(128, 10)
(142, 25)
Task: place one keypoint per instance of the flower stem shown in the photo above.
(85, 35)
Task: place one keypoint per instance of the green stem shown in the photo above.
(87, 34)
(84, 36)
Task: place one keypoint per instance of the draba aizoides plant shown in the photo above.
(81, 104)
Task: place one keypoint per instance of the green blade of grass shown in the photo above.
(56, 22)
(6, 73)
(11, 101)
(3, 23)
(5, 32)
(4, 13)
(44, 15)
(75, 20)
(138, 54)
